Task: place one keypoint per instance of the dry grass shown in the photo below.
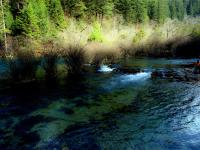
(157, 40)
(50, 56)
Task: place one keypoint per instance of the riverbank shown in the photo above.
(54, 59)
(56, 72)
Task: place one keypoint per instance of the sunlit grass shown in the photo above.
(145, 39)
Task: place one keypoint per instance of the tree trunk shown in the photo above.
(102, 16)
(4, 26)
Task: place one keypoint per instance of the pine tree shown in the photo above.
(163, 11)
(99, 8)
(38, 17)
(79, 10)
(69, 6)
(172, 7)
(193, 8)
(125, 8)
(140, 11)
(41, 12)
(26, 21)
(152, 9)
(8, 15)
(180, 9)
(108, 7)
(56, 13)
(3, 36)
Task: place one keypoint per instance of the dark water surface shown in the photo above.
(104, 111)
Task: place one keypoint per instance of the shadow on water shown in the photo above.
(76, 85)
(20, 100)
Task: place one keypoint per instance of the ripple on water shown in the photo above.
(125, 79)
(160, 114)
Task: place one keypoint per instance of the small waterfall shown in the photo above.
(105, 68)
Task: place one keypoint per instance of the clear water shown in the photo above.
(104, 111)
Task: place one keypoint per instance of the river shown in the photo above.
(106, 110)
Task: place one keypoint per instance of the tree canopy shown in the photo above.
(36, 17)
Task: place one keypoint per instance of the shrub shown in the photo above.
(196, 32)
(111, 57)
(103, 57)
(125, 52)
(97, 60)
(2, 53)
(123, 36)
(23, 65)
(187, 47)
(75, 58)
(139, 36)
(50, 64)
(96, 34)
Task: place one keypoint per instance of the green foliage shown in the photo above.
(177, 9)
(96, 34)
(69, 5)
(8, 15)
(37, 18)
(99, 8)
(132, 10)
(1, 29)
(79, 10)
(152, 9)
(193, 7)
(139, 36)
(107, 7)
(26, 21)
(196, 32)
(40, 73)
(163, 11)
(125, 8)
(140, 11)
(41, 13)
(6, 19)
(180, 9)
(172, 7)
(56, 13)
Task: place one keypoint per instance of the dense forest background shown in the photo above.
(102, 21)
(39, 17)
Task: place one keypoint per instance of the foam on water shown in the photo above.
(125, 79)
(135, 77)
(105, 68)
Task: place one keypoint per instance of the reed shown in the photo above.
(74, 58)
(22, 65)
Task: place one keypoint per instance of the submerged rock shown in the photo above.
(185, 74)
(157, 74)
(127, 70)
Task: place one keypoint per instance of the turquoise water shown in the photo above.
(105, 111)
